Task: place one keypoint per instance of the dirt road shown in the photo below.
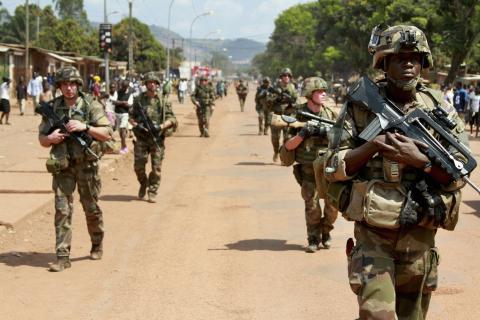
(224, 241)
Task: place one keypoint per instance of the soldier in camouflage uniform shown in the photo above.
(204, 100)
(393, 266)
(263, 106)
(160, 114)
(72, 166)
(242, 92)
(283, 103)
(307, 142)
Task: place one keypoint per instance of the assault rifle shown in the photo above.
(283, 96)
(282, 121)
(415, 125)
(148, 125)
(82, 138)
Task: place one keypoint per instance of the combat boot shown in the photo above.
(142, 191)
(205, 134)
(312, 244)
(152, 197)
(97, 252)
(326, 240)
(275, 157)
(265, 132)
(61, 264)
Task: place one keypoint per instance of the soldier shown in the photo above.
(71, 165)
(393, 266)
(306, 143)
(242, 92)
(152, 119)
(204, 100)
(283, 103)
(263, 106)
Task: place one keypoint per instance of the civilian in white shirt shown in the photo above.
(474, 107)
(5, 100)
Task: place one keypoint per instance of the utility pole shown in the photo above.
(38, 19)
(167, 75)
(106, 62)
(130, 39)
(27, 40)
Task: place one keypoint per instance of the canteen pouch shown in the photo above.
(58, 159)
(287, 157)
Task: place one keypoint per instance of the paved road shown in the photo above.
(225, 240)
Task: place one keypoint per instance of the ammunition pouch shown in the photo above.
(376, 202)
(338, 195)
(287, 157)
(55, 166)
(452, 201)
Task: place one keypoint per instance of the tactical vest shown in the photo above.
(204, 95)
(280, 107)
(308, 149)
(69, 149)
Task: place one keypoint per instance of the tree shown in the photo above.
(461, 22)
(149, 54)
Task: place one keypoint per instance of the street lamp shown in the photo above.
(168, 41)
(130, 39)
(208, 13)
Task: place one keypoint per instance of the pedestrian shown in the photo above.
(474, 111)
(460, 100)
(306, 143)
(122, 107)
(109, 99)
(47, 94)
(242, 92)
(72, 166)
(35, 88)
(182, 90)
(21, 94)
(153, 119)
(203, 99)
(5, 100)
(263, 106)
(96, 87)
(392, 268)
(283, 103)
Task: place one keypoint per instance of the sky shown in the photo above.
(231, 19)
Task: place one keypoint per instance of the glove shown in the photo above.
(320, 131)
(307, 131)
(157, 127)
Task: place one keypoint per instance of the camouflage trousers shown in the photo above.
(275, 138)
(141, 150)
(242, 99)
(393, 272)
(85, 176)
(317, 223)
(204, 113)
(264, 118)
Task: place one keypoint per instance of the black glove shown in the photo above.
(307, 131)
(157, 127)
(320, 131)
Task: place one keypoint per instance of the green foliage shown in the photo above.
(331, 36)
(148, 53)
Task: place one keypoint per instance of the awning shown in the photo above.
(59, 57)
(4, 49)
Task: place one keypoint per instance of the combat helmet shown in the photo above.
(68, 73)
(312, 84)
(286, 71)
(386, 40)
(151, 76)
(266, 80)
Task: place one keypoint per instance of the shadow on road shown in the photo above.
(118, 197)
(32, 259)
(262, 244)
(25, 191)
(249, 134)
(254, 163)
(475, 205)
(186, 136)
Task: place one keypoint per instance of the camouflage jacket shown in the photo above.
(263, 97)
(204, 95)
(284, 99)
(85, 110)
(308, 150)
(158, 109)
(242, 90)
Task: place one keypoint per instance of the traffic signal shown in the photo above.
(105, 37)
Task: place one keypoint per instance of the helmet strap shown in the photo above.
(409, 85)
